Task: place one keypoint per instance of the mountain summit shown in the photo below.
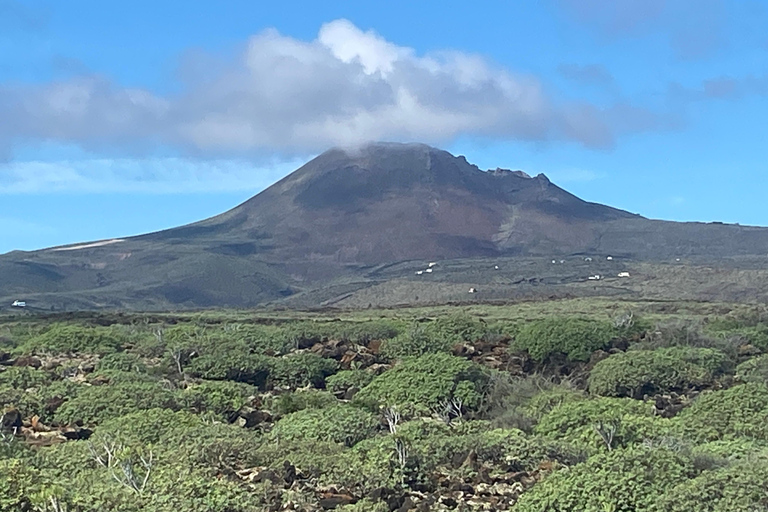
(388, 202)
(336, 220)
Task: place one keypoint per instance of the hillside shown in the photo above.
(351, 221)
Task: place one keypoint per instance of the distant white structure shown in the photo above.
(587, 259)
(419, 272)
(429, 271)
(432, 264)
(623, 274)
(496, 267)
(562, 261)
(553, 261)
(677, 259)
(609, 258)
(19, 304)
(472, 290)
(594, 278)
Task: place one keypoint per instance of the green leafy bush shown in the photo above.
(417, 340)
(24, 377)
(122, 361)
(346, 379)
(219, 397)
(575, 338)
(337, 423)
(741, 411)
(736, 488)
(753, 370)
(640, 372)
(67, 338)
(286, 403)
(302, 369)
(576, 422)
(421, 383)
(627, 480)
(234, 365)
(95, 404)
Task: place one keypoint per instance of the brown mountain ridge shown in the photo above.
(329, 228)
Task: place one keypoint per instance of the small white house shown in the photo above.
(472, 290)
(432, 264)
(429, 271)
(623, 274)
(609, 258)
(419, 272)
(594, 278)
(495, 267)
(587, 259)
(19, 304)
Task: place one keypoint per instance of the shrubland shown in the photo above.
(382, 411)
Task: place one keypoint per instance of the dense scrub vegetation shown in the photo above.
(564, 413)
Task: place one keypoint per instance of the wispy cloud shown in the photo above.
(150, 175)
(289, 96)
(590, 74)
(693, 28)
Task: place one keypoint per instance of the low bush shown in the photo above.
(741, 411)
(302, 369)
(123, 361)
(66, 338)
(218, 397)
(646, 372)
(421, 383)
(753, 370)
(574, 338)
(286, 403)
(337, 423)
(577, 422)
(346, 379)
(416, 341)
(737, 488)
(95, 404)
(233, 365)
(627, 480)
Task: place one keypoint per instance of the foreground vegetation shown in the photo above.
(569, 408)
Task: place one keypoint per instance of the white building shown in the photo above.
(623, 274)
(19, 304)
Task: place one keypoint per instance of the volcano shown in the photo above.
(342, 217)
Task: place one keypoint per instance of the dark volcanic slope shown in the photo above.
(390, 202)
(348, 211)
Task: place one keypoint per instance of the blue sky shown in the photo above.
(118, 118)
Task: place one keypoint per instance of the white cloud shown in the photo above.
(149, 175)
(287, 96)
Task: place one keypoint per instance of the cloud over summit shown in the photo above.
(291, 96)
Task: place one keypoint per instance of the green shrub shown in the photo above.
(67, 338)
(753, 370)
(24, 377)
(286, 403)
(626, 480)
(640, 372)
(737, 488)
(219, 397)
(417, 340)
(364, 332)
(458, 328)
(95, 404)
(252, 369)
(421, 383)
(575, 422)
(575, 338)
(122, 361)
(741, 411)
(346, 379)
(337, 423)
(302, 369)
